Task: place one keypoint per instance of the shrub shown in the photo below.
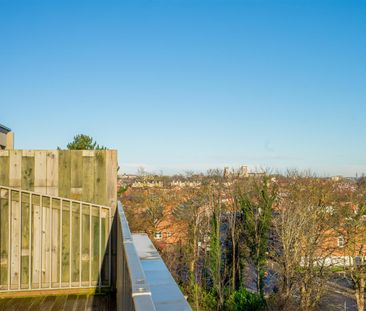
(243, 300)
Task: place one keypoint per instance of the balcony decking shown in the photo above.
(60, 303)
(62, 254)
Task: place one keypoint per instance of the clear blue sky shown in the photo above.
(180, 85)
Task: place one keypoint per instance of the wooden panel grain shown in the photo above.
(40, 171)
(111, 178)
(15, 240)
(65, 262)
(88, 176)
(25, 245)
(15, 168)
(75, 243)
(55, 251)
(4, 238)
(55, 237)
(46, 235)
(64, 173)
(95, 230)
(76, 174)
(36, 241)
(100, 179)
(52, 172)
(85, 249)
(4, 167)
(27, 170)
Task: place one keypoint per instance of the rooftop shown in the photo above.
(4, 129)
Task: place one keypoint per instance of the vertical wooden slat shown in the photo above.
(15, 239)
(100, 180)
(37, 246)
(76, 244)
(88, 176)
(52, 172)
(85, 245)
(76, 174)
(40, 171)
(15, 169)
(46, 241)
(25, 239)
(27, 170)
(64, 173)
(111, 171)
(56, 205)
(95, 244)
(4, 167)
(4, 234)
(65, 241)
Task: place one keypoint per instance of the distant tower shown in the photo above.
(226, 172)
(243, 171)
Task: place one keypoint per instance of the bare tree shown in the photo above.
(353, 230)
(302, 250)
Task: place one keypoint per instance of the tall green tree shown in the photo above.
(256, 206)
(84, 142)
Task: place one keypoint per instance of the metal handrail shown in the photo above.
(133, 292)
(34, 251)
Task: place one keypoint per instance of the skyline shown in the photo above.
(190, 85)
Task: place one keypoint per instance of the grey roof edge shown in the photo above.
(165, 292)
(141, 293)
(4, 129)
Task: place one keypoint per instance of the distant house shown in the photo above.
(6, 138)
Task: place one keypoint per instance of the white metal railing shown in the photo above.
(48, 242)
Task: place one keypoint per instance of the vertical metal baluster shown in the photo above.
(60, 255)
(20, 239)
(51, 235)
(109, 247)
(80, 241)
(41, 239)
(9, 246)
(90, 243)
(30, 243)
(100, 248)
(70, 244)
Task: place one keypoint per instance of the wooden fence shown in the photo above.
(85, 175)
(56, 214)
(52, 243)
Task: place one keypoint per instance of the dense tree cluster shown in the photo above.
(264, 242)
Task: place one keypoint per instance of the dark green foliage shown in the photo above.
(257, 215)
(84, 142)
(243, 300)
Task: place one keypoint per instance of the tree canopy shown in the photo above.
(84, 142)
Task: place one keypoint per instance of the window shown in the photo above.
(157, 235)
(340, 241)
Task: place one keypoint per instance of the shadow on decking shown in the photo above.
(59, 303)
(60, 300)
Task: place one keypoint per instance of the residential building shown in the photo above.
(6, 138)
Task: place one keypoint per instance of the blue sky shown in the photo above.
(179, 85)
